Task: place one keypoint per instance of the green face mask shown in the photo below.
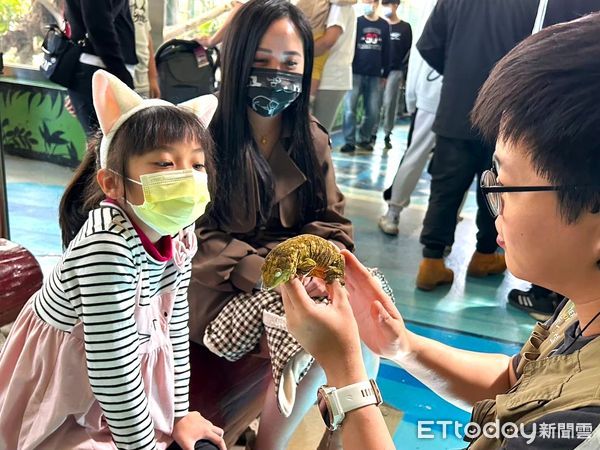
(172, 199)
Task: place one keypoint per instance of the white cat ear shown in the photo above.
(204, 107)
(112, 98)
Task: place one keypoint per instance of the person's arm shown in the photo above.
(189, 427)
(461, 377)
(330, 334)
(99, 21)
(432, 43)
(152, 72)
(105, 305)
(386, 49)
(328, 40)
(414, 70)
(217, 38)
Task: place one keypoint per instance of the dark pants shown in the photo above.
(81, 97)
(454, 164)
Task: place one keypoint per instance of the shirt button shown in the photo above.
(166, 314)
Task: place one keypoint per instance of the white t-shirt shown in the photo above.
(141, 22)
(337, 74)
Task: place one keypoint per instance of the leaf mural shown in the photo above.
(11, 93)
(35, 124)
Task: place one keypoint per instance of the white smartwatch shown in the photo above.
(334, 403)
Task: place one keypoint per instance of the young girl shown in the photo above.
(98, 358)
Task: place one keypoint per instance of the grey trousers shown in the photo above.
(414, 160)
(325, 108)
(393, 85)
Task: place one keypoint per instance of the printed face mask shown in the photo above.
(172, 199)
(271, 91)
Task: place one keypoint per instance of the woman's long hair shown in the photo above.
(237, 161)
(143, 132)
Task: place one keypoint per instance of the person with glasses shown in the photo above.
(540, 107)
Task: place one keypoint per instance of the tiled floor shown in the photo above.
(472, 313)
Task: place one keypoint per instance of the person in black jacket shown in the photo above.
(462, 40)
(105, 29)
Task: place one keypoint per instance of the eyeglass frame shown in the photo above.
(485, 190)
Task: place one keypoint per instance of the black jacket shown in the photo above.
(463, 40)
(110, 33)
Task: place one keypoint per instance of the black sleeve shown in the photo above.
(432, 44)
(99, 19)
(561, 430)
(408, 46)
(386, 49)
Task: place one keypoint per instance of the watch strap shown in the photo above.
(358, 395)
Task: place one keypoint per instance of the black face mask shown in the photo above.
(271, 91)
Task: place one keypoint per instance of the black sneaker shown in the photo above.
(365, 146)
(537, 301)
(373, 139)
(347, 148)
(388, 142)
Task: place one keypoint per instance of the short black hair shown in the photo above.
(390, 2)
(545, 94)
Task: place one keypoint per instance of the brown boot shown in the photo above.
(433, 272)
(484, 264)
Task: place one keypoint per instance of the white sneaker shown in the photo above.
(388, 226)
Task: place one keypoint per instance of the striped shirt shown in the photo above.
(97, 283)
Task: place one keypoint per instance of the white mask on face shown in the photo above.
(368, 9)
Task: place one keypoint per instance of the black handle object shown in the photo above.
(205, 445)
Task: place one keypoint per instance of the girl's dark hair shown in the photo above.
(237, 161)
(146, 130)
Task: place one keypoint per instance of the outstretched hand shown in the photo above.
(327, 331)
(379, 322)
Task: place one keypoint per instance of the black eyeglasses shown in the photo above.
(492, 190)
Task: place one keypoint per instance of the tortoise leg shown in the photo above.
(305, 266)
(333, 273)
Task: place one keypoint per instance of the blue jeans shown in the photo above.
(369, 88)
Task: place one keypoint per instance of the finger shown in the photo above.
(383, 313)
(217, 440)
(218, 431)
(298, 295)
(353, 264)
(288, 304)
(337, 294)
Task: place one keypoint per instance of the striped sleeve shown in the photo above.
(104, 269)
(179, 334)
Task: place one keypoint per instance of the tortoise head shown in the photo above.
(276, 270)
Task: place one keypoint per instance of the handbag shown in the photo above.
(61, 56)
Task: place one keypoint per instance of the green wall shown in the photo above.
(36, 125)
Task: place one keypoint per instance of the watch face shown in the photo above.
(324, 409)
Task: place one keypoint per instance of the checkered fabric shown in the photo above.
(237, 329)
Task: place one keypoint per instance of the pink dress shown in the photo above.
(46, 397)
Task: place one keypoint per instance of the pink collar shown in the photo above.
(161, 251)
